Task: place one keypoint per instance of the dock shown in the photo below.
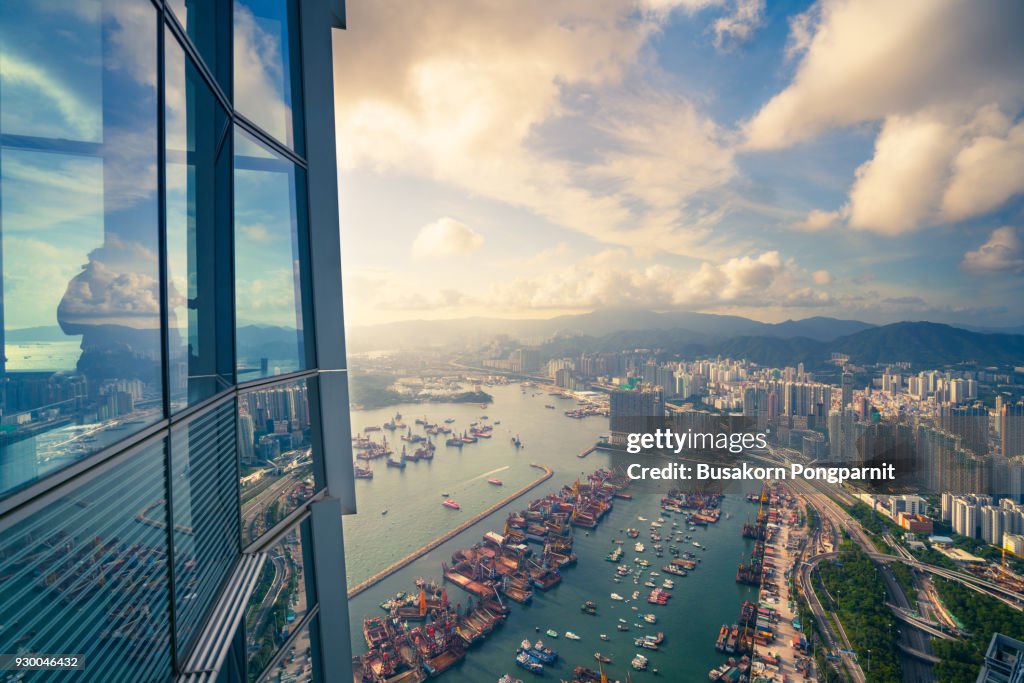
(417, 554)
(587, 452)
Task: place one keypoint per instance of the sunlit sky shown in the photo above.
(776, 160)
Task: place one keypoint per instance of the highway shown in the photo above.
(915, 668)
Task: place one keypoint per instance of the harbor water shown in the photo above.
(702, 601)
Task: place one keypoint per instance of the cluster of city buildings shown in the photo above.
(997, 522)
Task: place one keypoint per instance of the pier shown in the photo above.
(417, 554)
(587, 452)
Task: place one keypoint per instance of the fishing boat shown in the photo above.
(602, 658)
(508, 679)
(571, 636)
(650, 618)
(589, 607)
(604, 637)
(400, 464)
(529, 663)
(639, 663)
(616, 597)
(449, 503)
(551, 633)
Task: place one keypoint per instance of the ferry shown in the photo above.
(451, 504)
(495, 482)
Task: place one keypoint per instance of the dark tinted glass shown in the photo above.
(206, 26)
(79, 287)
(266, 67)
(198, 168)
(204, 490)
(88, 575)
(270, 262)
(274, 452)
(283, 594)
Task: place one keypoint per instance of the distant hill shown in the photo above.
(600, 323)
(921, 343)
(930, 344)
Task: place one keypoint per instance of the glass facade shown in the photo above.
(79, 233)
(165, 507)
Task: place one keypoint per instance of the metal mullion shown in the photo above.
(172, 623)
(268, 140)
(274, 534)
(276, 379)
(197, 61)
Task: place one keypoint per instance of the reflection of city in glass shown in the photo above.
(275, 456)
(279, 601)
(81, 296)
(155, 277)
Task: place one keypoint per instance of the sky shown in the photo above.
(857, 159)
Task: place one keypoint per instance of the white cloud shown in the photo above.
(739, 27)
(446, 237)
(1002, 253)
(946, 149)
(463, 98)
(899, 187)
(822, 277)
(870, 59)
(987, 171)
(819, 220)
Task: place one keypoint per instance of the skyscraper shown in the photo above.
(169, 207)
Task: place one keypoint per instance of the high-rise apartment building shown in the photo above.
(170, 316)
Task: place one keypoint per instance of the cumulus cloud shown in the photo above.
(465, 98)
(1002, 253)
(946, 148)
(446, 237)
(844, 79)
(900, 185)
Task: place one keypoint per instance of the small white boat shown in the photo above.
(604, 637)
(571, 636)
(616, 596)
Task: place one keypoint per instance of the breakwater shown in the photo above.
(452, 533)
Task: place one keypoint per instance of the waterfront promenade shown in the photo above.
(452, 533)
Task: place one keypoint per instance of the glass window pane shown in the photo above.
(88, 575)
(79, 288)
(266, 67)
(198, 241)
(283, 594)
(204, 490)
(274, 453)
(203, 22)
(270, 271)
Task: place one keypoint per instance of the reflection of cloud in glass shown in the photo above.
(116, 287)
(261, 86)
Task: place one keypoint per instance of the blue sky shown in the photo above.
(848, 158)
